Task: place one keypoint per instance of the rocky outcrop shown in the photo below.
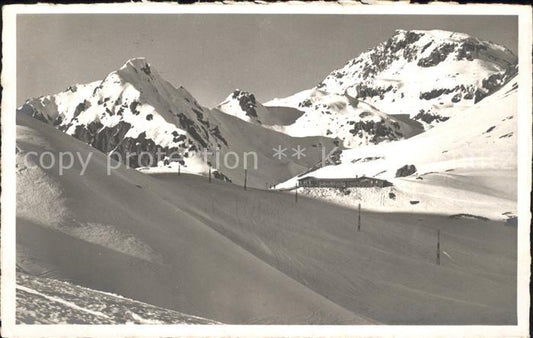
(406, 170)
(429, 117)
(246, 101)
(438, 55)
(220, 176)
(378, 131)
(142, 152)
(494, 82)
(364, 91)
(134, 151)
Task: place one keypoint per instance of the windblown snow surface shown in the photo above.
(216, 251)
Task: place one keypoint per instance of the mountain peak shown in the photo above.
(135, 67)
(137, 63)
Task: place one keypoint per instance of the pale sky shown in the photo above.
(213, 54)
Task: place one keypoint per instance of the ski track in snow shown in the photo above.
(62, 301)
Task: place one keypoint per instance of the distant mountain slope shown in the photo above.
(243, 105)
(350, 121)
(465, 165)
(247, 138)
(430, 75)
(353, 122)
(284, 115)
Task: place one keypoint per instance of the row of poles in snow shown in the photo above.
(358, 210)
(438, 233)
(245, 175)
(359, 226)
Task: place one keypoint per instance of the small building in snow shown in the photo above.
(360, 182)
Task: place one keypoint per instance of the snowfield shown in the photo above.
(255, 256)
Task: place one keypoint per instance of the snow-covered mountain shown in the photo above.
(466, 165)
(429, 75)
(349, 121)
(243, 104)
(134, 112)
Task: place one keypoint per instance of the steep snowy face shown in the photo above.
(133, 111)
(429, 75)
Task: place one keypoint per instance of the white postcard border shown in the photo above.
(8, 198)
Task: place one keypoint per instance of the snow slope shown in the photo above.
(387, 271)
(429, 75)
(216, 251)
(145, 244)
(48, 301)
(464, 165)
(248, 138)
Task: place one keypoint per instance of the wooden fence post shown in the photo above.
(438, 247)
(209, 174)
(359, 218)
